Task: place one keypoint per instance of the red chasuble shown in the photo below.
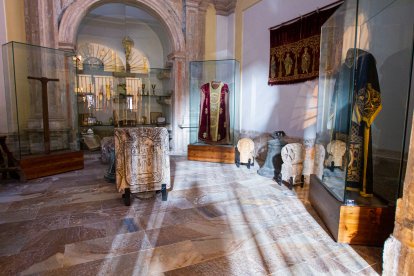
(214, 114)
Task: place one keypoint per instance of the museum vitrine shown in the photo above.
(41, 109)
(364, 117)
(214, 114)
(118, 99)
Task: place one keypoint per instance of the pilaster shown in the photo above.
(399, 248)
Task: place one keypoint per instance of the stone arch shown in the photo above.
(165, 12)
(73, 15)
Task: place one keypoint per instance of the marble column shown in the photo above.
(180, 103)
(399, 248)
(42, 30)
(195, 29)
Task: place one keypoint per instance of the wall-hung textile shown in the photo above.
(214, 113)
(294, 49)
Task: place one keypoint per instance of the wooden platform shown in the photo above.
(51, 164)
(365, 225)
(212, 153)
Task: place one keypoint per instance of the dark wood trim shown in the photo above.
(212, 153)
(51, 164)
(325, 204)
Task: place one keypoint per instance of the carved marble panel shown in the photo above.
(142, 158)
(292, 156)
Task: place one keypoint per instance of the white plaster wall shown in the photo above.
(225, 36)
(231, 34)
(3, 39)
(111, 35)
(222, 37)
(291, 108)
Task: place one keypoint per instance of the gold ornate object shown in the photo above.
(127, 43)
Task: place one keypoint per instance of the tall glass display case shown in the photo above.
(364, 114)
(41, 109)
(214, 114)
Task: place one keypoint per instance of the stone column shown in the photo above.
(180, 104)
(195, 29)
(41, 22)
(42, 30)
(399, 248)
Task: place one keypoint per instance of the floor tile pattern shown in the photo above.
(218, 220)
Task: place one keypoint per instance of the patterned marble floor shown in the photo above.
(218, 220)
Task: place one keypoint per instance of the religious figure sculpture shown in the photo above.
(214, 113)
(305, 61)
(288, 64)
(127, 43)
(366, 104)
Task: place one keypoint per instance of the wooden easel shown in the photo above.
(45, 108)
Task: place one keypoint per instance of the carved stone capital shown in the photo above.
(225, 7)
(176, 56)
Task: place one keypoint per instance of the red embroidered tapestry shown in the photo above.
(294, 49)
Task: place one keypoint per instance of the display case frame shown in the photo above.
(361, 99)
(40, 109)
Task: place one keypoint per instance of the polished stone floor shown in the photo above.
(218, 220)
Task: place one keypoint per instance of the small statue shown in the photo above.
(245, 152)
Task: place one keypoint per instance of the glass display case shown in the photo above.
(214, 103)
(364, 107)
(119, 99)
(41, 108)
(214, 82)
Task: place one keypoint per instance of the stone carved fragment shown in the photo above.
(142, 158)
(336, 150)
(319, 159)
(292, 157)
(245, 146)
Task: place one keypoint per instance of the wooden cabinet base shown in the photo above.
(51, 164)
(364, 225)
(212, 153)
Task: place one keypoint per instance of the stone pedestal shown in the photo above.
(273, 163)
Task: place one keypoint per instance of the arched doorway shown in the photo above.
(67, 37)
